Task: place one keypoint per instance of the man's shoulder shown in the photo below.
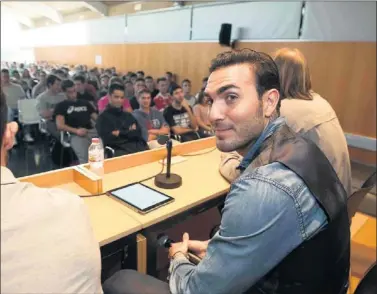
(15, 86)
(277, 175)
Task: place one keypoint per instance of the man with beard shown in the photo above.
(284, 226)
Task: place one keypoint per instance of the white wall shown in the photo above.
(255, 20)
(109, 30)
(12, 41)
(340, 21)
(162, 26)
(266, 20)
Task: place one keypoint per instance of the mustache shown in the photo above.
(221, 126)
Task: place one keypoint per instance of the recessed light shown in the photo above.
(81, 16)
(137, 6)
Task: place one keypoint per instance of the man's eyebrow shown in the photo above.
(225, 88)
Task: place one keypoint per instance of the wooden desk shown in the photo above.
(109, 221)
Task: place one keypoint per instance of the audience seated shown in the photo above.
(149, 83)
(170, 80)
(163, 98)
(104, 87)
(138, 86)
(104, 101)
(151, 121)
(180, 117)
(201, 112)
(117, 128)
(306, 113)
(186, 86)
(41, 86)
(13, 93)
(75, 116)
(47, 101)
(140, 74)
(81, 88)
(129, 90)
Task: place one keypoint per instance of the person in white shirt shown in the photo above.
(47, 242)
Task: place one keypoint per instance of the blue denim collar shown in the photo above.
(254, 150)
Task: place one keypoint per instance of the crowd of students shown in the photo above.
(128, 112)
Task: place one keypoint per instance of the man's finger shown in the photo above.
(186, 238)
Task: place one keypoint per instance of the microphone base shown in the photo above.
(173, 182)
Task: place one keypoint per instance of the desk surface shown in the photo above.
(109, 220)
(201, 181)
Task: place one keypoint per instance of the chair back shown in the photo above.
(357, 197)
(368, 284)
(27, 112)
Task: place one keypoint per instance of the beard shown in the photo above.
(242, 134)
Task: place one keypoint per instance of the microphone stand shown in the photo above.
(168, 180)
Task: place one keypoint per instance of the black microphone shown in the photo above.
(168, 180)
(164, 241)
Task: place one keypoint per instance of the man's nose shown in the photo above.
(216, 111)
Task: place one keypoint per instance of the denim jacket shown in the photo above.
(268, 212)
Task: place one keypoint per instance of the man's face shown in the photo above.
(133, 79)
(80, 87)
(178, 96)
(71, 93)
(56, 87)
(150, 84)
(168, 78)
(236, 113)
(105, 82)
(139, 75)
(117, 98)
(139, 85)
(129, 89)
(5, 78)
(163, 87)
(186, 86)
(145, 100)
(42, 77)
(16, 75)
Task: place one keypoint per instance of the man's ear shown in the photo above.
(270, 101)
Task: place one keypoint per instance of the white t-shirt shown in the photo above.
(47, 243)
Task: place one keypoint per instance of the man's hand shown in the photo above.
(185, 104)
(181, 247)
(115, 133)
(199, 248)
(81, 132)
(133, 127)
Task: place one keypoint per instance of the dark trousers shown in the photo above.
(133, 282)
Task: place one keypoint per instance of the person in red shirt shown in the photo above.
(163, 98)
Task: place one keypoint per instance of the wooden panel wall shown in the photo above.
(344, 73)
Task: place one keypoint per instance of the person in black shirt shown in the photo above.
(75, 116)
(118, 129)
(138, 86)
(82, 93)
(180, 117)
(149, 82)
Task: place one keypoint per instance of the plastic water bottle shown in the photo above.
(96, 157)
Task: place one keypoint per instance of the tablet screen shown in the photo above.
(140, 196)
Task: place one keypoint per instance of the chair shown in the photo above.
(368, 284)
(27, 112)
(357, 197)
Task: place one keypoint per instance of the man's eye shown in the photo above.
(231, 97)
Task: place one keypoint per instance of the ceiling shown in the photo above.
(31, 14)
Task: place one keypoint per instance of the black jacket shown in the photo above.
(113, 119)
(321, 264)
